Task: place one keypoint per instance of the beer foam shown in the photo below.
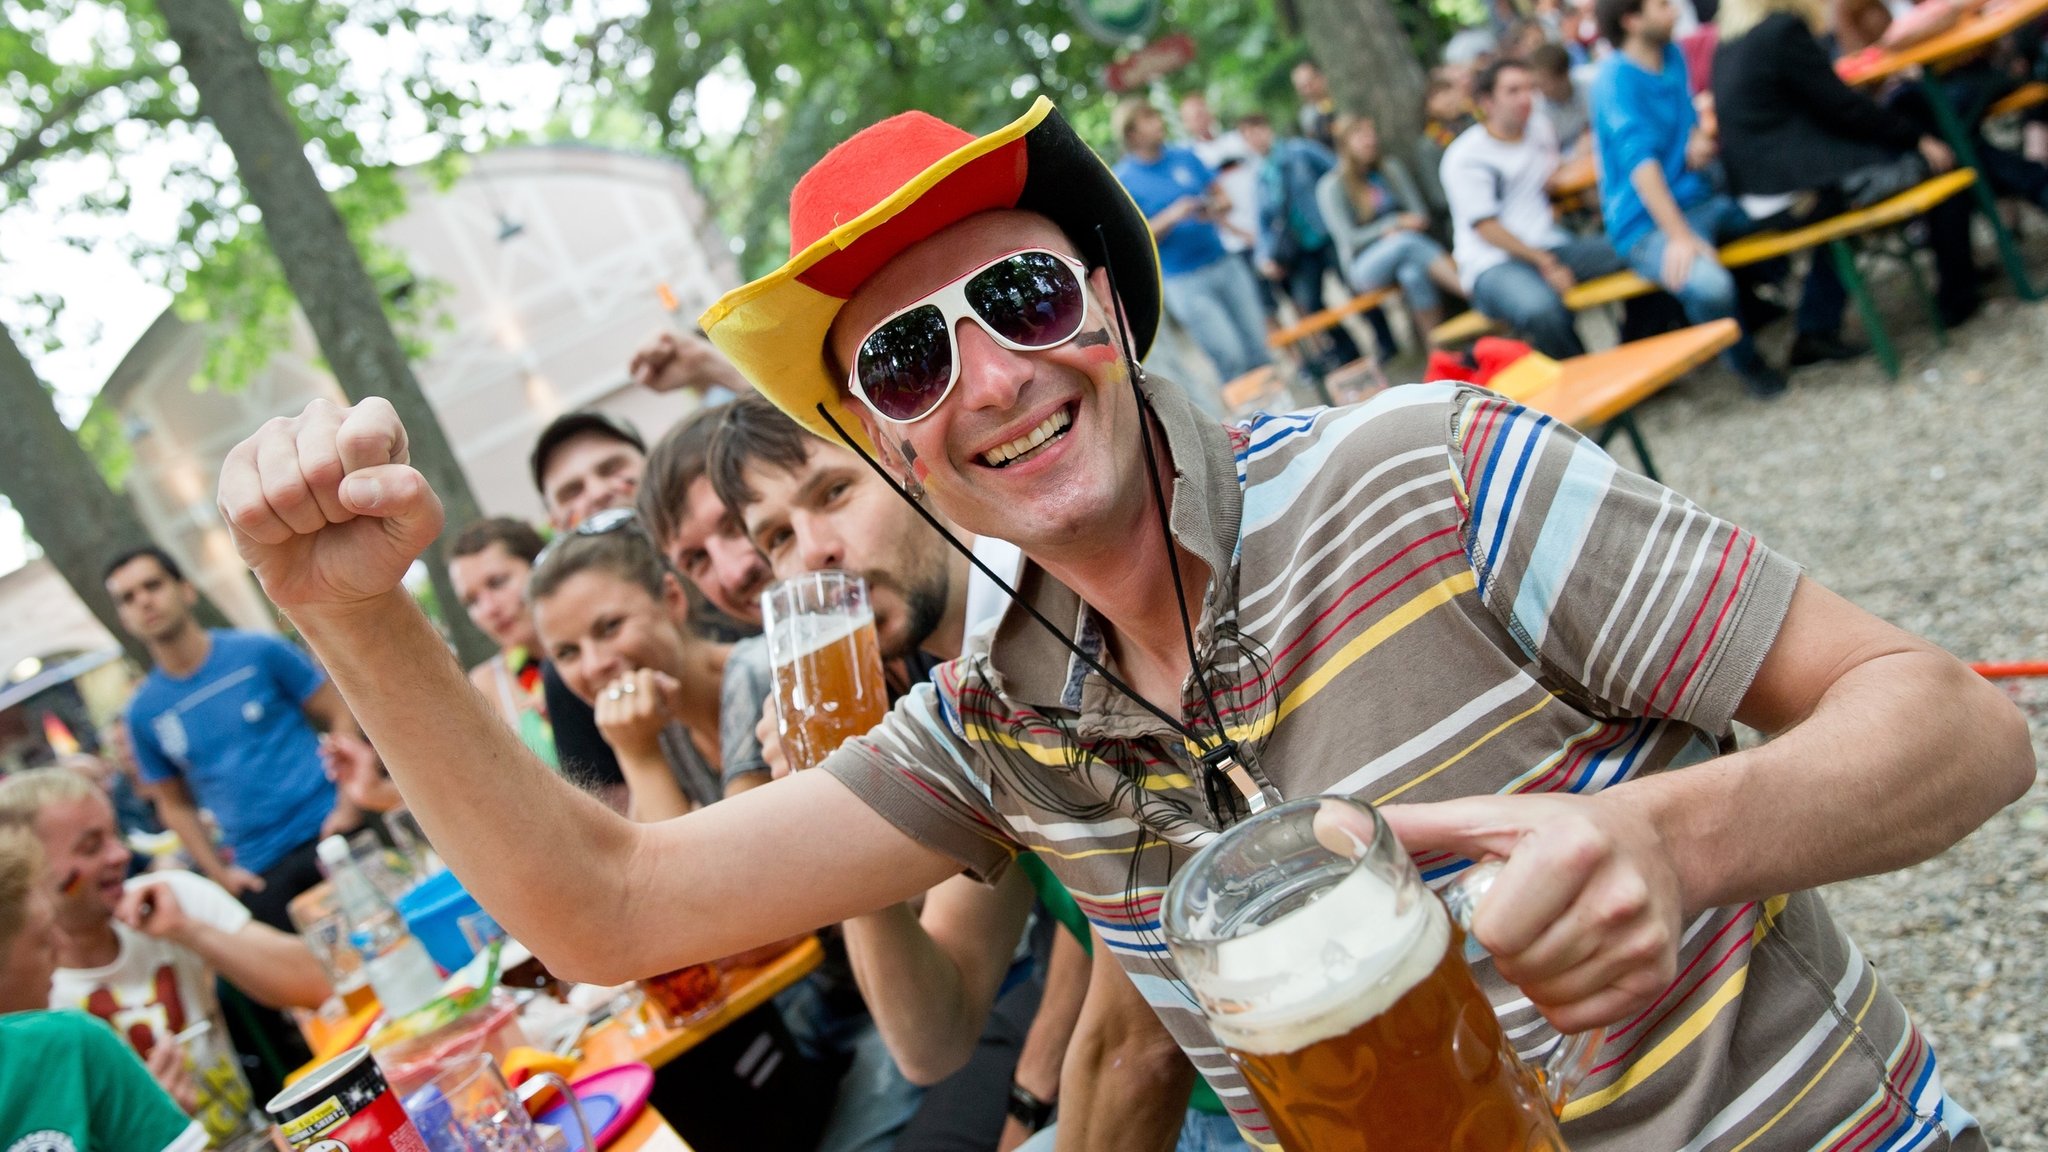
(804, 634)
(1324, 968)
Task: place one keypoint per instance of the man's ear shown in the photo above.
(190, 594)
(675, 597)
(883, 437)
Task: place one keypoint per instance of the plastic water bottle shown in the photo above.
(399, 968)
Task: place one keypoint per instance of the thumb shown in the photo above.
(1474, 827)
(396, 494)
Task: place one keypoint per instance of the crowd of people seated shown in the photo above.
(1703, 121)
(628, 654)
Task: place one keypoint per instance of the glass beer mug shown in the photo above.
(1336, 982)
(827, 664)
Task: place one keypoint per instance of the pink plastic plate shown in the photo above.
(612, 1100)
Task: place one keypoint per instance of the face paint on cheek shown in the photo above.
(918, 468)
(1096, 346)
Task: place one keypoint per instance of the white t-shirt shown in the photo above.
(985, 599)
(155, 989)
(1239, 181)
(1486, 178)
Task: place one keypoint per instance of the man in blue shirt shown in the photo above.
(1661, 211)
(230, 721)
(1212, 297)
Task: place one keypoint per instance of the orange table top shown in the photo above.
(1970, 34)
(1593, 389)
(609, 1044)
(746, 989)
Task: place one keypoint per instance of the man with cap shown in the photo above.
(1436, 600)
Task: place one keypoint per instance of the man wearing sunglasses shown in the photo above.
(1437, 600)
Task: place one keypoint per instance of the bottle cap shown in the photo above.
(334, 852)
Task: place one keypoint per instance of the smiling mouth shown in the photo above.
(1031, 443)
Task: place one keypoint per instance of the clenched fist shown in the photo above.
(324, 507)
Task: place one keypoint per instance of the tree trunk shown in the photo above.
(65, 504)
(1366, 53)
(320, 262)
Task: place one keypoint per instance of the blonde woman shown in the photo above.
(1380, 222)
(1798, 143)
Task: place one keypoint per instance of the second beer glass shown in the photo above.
(827, 663)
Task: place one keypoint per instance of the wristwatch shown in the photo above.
(1027, 1109)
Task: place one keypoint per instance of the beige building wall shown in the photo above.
(549, 266)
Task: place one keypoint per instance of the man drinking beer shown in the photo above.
(1437, 601)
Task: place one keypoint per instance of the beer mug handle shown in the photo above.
(1569, 1063)
(540, 1080)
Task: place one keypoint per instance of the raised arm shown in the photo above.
(327, 513)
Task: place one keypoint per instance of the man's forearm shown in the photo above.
(482, 798)
(1125, 1082)
(1903, 756)
(1496, 234)
(276, 970)
(1655, 194)
(930, 978)
(915, 993)
(1059, 1013)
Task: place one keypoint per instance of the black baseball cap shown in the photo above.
(576, 423)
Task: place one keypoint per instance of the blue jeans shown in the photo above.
(1709, 289)
(1401, 257)
(1335, 348)
(874, 1100)
(1219, 306)
(1518, 296)
(1199, 1132)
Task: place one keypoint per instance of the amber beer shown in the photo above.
(1338, 987)
(827, 663)
(1410, 1059)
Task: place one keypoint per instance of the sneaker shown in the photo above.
(1764, 383)
(1822, 348)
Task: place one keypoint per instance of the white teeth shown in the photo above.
(1004, 453)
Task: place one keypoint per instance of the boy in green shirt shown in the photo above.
(67, 1083)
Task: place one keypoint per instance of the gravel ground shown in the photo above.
(1919, 501)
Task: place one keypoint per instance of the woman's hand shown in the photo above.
(633, 709)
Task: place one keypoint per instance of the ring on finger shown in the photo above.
(612, 694)
(627, 687)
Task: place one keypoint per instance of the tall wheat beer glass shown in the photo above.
(1337, 983)
(827, 663)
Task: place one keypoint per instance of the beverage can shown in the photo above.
(345, 1105)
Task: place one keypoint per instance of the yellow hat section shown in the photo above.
(774, 329)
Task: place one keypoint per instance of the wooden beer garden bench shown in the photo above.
(1837, 234)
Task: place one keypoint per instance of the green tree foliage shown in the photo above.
(95, 84)
(819, 71)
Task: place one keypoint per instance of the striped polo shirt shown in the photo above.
(1434, 594)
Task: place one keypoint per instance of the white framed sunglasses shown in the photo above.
(1027, 301)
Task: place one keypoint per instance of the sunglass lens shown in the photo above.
(904, 365)
(1032, 299)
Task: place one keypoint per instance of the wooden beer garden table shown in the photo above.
(611, 1044)
(1972, 34)
(1575, 177)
